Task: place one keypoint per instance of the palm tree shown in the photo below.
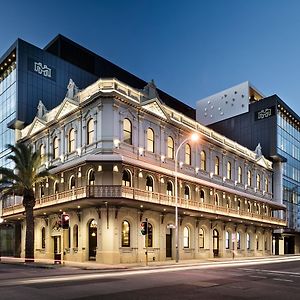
(21, 181)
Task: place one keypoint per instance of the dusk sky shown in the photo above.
(190, 48)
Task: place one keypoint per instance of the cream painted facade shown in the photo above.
(113, 151)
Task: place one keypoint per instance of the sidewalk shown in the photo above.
(49, 264)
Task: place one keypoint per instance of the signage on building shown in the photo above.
(265, 113)
(41, 69)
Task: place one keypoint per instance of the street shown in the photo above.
(255, 279)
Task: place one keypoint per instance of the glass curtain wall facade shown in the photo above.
(288, 145)
(8, 98)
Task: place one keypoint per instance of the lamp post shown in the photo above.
(194, 137)
(1, 221)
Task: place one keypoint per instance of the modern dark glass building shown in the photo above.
(243, 114)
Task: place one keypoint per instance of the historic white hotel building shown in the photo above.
(113, 149)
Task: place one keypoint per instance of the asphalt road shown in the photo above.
(211, 281)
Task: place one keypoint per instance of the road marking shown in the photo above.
(279, 273)
(254, 276)
(281, 279)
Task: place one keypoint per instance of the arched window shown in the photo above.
(75, 236)
(187, 192)
(186, 237)
(249, 178)
(238, 240)
(149, 183)
(90, 132)
(201, 238)
(249, 207)
(217, 165)
(170, 151)
(91, 177)
(127, 131)
(43, 238)
(227, 240)
(55, 147)
(258, 181)
(126, 178)
(202, 195)
(266, 185)
(239, 204)
(229, 171)
(150, 140)
(169, 188)
(42, 153)
(150, 236)
(203, 160)
(187, 158)
(72, 182)
(217, 200)
(257, 242)
(71, 140)
(125, 234)
(240, 175)
(56, 187)
(248, 241)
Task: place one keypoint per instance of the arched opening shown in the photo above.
(91, 177)
(56, 187)
(149, 183)
(72, 182)
(186, 237)
(92, 239)
(216, 242)
(55, 148)
(170, 149)
(169, 188)
(127, 131)
(75, 236)
(202, 195)
(126, 178)
(125, 234)
(150, 140)
(187, 192)
(203, 160)
(201, 238)
(71, 140)
(149, 236)
(43, 238)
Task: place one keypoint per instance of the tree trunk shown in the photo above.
(29, 203)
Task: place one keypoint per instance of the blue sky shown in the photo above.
(190, 48)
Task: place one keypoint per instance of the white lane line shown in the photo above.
(254, 276)
(281, 279)
(273, 272)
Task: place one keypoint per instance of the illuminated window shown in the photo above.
(125, 234)
(217, 165)
(240, 175)
(170, 148)
(266, 185)
(238, 240)
(227, 240)
(187, 154)
(149, 184)
(127, 131)
(186, 237)
(43, 238)
(75, 236)
(229, 171)
(248, 241)
(90, 132)
(203, 160)
(258, 181)
(249, 178)
(201, 238)
(42, 153)
(187, 192)
(126, 178)
(150, 140)
(71, 140)
(91, 177)
(55, 148)
(72, 182)
(169, 188)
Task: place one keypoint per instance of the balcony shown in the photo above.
(105, 192)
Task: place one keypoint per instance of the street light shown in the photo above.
(1, 221)
(194, 137)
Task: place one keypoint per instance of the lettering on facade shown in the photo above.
(265, 113)
(42, 69)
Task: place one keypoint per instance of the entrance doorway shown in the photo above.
(216, 242)
(169, 243)
(57, 249)
(92, 240)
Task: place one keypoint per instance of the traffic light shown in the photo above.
(65, 218)
(144, 228)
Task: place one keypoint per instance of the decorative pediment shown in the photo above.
(36, 126)
(262, 161)
(155, 107)
(66, 107)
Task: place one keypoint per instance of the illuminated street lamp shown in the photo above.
(194, 137)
